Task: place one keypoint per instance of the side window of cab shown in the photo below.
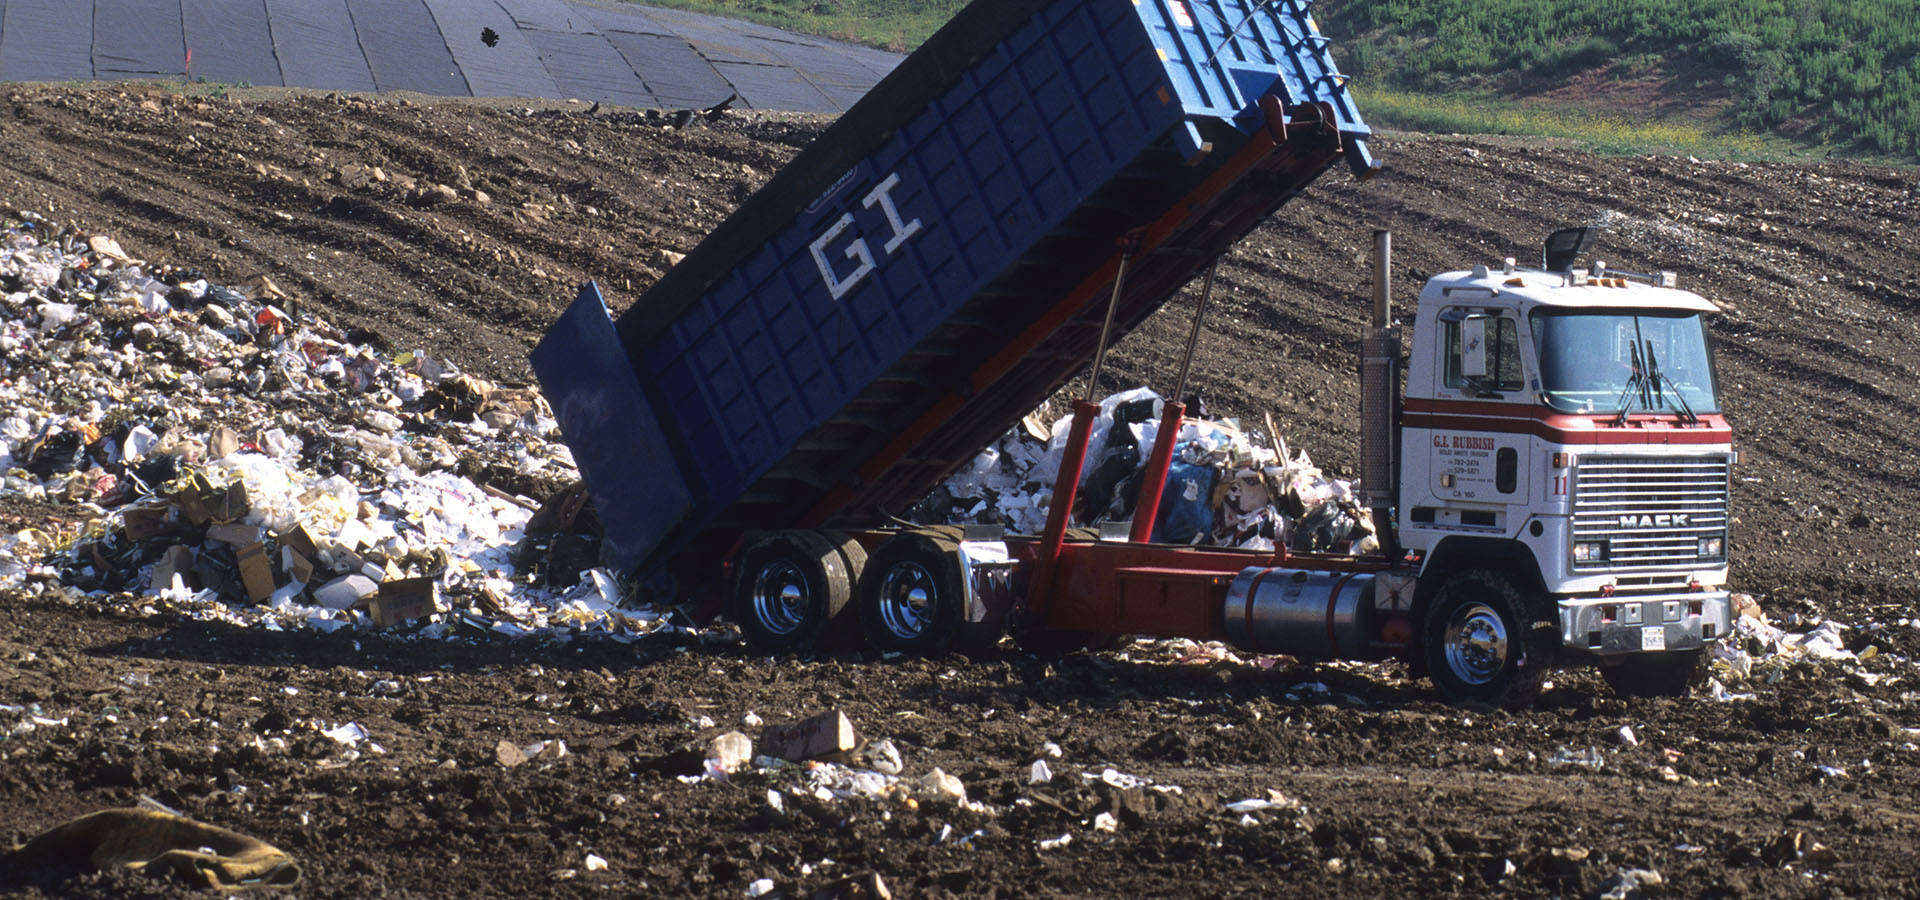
(1483, 352)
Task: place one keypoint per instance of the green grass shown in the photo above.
(1476, 115)
(898, 25)
(1844, 73)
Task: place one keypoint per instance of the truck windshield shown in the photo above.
(1624, 361)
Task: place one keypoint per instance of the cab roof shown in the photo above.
(1530, 288)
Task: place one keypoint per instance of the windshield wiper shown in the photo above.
(1636, 380)
(1655, 377)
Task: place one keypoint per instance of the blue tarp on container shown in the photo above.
(932, 266)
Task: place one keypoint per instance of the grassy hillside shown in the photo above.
(1844, 73)
(1840, 74)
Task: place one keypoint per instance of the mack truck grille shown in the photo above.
(1649, 511)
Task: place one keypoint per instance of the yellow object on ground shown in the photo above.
(160, 843)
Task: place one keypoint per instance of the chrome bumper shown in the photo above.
(1638, 623)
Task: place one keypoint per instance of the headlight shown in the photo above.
(1713, 547)
(1590, 551)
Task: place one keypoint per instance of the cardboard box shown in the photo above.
(255, 573)
(405, 600)
(823, 735)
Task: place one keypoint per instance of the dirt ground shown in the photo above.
(1803, 789)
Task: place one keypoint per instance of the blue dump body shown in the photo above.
(937, 263)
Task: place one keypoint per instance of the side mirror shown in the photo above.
(1473, 347)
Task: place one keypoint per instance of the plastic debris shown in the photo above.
(938, 785)
(1590, 758)
(1223, 487)
(728, 753)
(237, 459)
(1041, 773)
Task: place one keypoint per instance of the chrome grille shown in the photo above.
(1651, 511)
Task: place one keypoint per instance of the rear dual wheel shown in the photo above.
(913, 599)
(794, 589)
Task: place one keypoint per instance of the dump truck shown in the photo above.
(1023, 190)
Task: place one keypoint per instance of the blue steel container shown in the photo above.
(932, 266)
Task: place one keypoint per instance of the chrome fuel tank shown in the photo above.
(1301, 613)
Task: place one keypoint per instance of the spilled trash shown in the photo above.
(1225, 486)
(224, 455)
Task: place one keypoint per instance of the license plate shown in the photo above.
(1653, 637)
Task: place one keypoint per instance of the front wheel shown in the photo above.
(1481, 642)
(1674, 673)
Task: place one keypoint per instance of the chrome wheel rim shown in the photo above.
(907, 597)
(781, 601)
(1476, 643)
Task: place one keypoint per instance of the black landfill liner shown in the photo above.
(771, 87)
(587, 67)
(672, 71)
(46, 39)
(547, 15)
(317, 45)
(135, 39)
(231, 42)
(509, 68)
(405, 49)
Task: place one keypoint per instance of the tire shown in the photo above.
(1674, 673)
(843, 631)
(1482, 641)
(913, 598)
(793, 590)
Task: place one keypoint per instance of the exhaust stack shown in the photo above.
(1380, 401)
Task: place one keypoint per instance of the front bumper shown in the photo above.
(1611, 626)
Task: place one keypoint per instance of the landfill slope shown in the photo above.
(460, 230)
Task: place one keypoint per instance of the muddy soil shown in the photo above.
(1803, 789)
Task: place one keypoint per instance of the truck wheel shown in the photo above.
(1482, 644)
(913, 598)
(794, 588)
(843, 631)
(1674, 673)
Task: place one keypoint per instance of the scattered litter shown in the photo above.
(1223, 487)
(348, 733)
(238, 459)
(1117, 779)
(1590, 758)
(1055, 843)
(1041, 772)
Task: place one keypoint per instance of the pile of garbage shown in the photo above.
(216, 450)
(1224, 486)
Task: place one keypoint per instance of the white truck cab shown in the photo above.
(1561, 439)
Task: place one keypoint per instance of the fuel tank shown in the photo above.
(1301, 612)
